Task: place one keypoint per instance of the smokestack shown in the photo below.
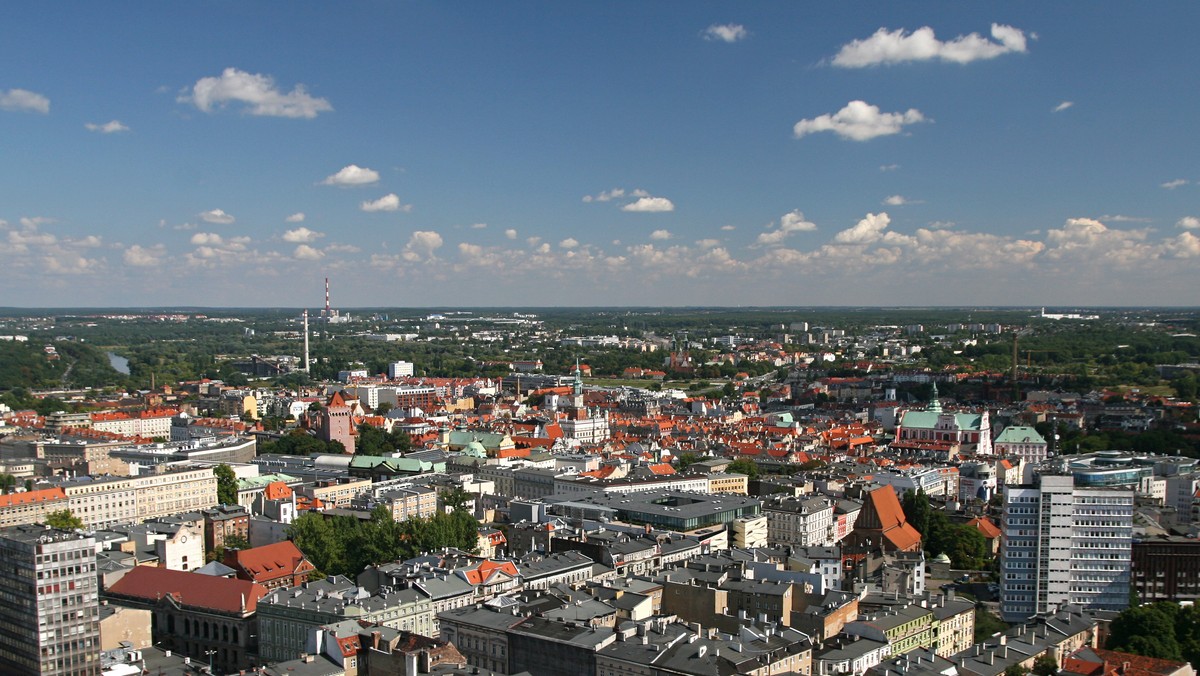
(327, 313)
(306, 366)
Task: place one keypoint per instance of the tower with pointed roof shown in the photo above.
(935, 403)
(337, 423)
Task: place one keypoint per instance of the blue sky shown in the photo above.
(621, 153)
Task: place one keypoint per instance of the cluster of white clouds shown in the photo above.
(789, 223)
(1080, 252)
(257, 93)
(1177, 183)
(859, 121)
(899, 46)
(644, 202)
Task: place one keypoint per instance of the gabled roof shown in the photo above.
(147, 583)
(269, 562)
(988, 529)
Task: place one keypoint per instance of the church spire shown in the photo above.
(577, 386)
(935, 404)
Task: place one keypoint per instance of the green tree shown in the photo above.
(918, 513)
(227, 484)
(1015, 670)
(7, 481)
(1045, 666)
(456, 498)
(744, 466)
(1148, 630)
(64, 519)
(321, 542)
(686, 459)
(986, 624)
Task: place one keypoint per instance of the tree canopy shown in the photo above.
(343, 545)
(227, 484)
(1164, 630)
(64, 519)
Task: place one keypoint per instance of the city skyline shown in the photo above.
(704, 154)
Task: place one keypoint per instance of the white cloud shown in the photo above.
(389, 202)
(605, 195)
(206, 239)
(708, 243)
(297, 217)
(510, 233)
(89, 242)
(866, 231)
(941, 225)
(728, 228)
(70, 263)
(217, 216)
(421, 245)
(1118, 218)
(889, 167)
(305, 252)
(899, 46)
(1185, 245)
(478, 226)
(569, 243)
(650, 205)
(139, 256)
(793, 221)
(897, 201)
(302, 235)
(730, 32)
(24, 101)
(1188, 223)
(1062, 106)
(106, 128)
(859, 121)
(258, 92)
(660, 234)
(1171, 185)
(352, 174)
(1089, 240)
(342, 248)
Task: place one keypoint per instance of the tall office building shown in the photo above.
(1064, 544)
(49, 602)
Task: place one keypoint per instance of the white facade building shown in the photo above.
(1063, 544)
(806, 522)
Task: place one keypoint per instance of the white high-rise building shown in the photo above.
(1064, 544)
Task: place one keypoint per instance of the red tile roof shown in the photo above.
(986, 527)
(148, 583)
(31, 497)
(271, 562)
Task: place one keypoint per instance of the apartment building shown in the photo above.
(103, 501)
(1064, 544)
(50, 614)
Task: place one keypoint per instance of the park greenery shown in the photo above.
(344, 545)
